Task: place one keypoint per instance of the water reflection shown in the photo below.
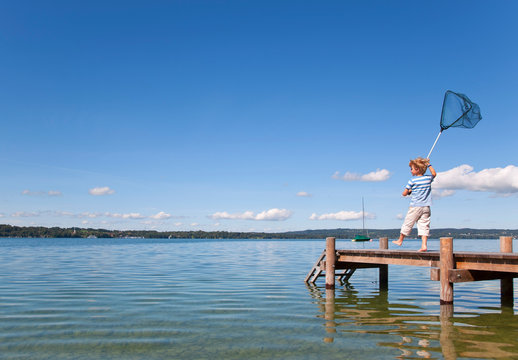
(416, 331)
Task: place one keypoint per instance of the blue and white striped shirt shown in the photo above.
(421, 187)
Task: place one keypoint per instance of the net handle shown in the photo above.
(438, 136)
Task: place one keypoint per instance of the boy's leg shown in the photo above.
(400, 240)
(423, 244)
(410, 219)
(423, 227)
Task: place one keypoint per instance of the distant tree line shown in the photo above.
(57, 232)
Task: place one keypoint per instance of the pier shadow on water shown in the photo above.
(413, 331)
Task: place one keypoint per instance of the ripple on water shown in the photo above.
(156, 299)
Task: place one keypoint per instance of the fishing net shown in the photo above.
(459, 111)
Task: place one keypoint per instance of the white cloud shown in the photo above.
(247, 215)
(25, 214)
(303, 194)
(374, 176)
(160, 216)
(400, 216)
(41, 193)
(495, 180)
(64, 213)
(272, 215)
(342, 215)
(126, 216)
(98, 191)
(437, 194)
(31, 193)
(85, 215)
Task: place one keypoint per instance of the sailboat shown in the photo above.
(362, 237)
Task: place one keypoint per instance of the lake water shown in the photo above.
(228, 299)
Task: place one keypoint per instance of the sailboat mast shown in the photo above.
(363, 216)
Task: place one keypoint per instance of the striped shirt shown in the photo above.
(421, 187)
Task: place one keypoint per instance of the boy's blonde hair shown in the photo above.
(420, 163)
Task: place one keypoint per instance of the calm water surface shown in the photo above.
(227, 299)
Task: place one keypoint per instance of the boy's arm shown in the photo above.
(408, 188)
(432, 171)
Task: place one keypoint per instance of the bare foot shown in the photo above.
(398, 243)
(422, 249)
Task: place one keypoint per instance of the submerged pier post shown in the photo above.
(330, 262)
(447, 264)
(506, 285)
(329, 315)
(383, 269)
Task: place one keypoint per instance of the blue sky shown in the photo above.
(253, 115)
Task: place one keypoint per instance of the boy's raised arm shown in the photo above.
(432, 171)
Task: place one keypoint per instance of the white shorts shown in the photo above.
(421, 215)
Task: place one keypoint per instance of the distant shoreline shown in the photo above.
(10, 231)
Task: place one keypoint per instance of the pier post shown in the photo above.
(330, 262)
(447, 264)
(383, 269)
(506, 285)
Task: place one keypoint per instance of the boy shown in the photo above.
(420, 189)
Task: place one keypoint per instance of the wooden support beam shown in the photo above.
(485, 265)
(349, 265)
(383, 269)
(346, 275)
(330, 262)
(435, 274)
(462, 275)
(506, 285)
(466, 275)
(447, 264)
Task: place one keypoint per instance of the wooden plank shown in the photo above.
(509, 257)
(476, 264)
(432, 255)
(352, 265)
(315, 269)
(505, 262)
(468, 265)
(390, 259)
(463, 275)
(389, 253)
(435, 274)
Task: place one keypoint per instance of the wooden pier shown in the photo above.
(446, 266)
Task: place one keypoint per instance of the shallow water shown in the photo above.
(228, 299)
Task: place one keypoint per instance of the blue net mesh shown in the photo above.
(459, 111)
